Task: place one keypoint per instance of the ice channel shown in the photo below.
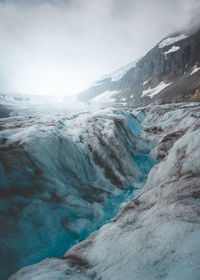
(62, 177)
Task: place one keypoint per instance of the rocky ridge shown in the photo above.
(167, 73)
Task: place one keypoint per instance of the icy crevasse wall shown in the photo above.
(62, 178)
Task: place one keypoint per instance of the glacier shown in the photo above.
(156, 235)
(63, 176)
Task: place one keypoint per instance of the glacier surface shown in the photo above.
(63, 176)
(155, 236)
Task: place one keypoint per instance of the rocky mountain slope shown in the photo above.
(156, 236)
(167, 73)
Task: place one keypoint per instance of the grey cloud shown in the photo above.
(50, 45)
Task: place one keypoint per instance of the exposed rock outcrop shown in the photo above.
(167, 73)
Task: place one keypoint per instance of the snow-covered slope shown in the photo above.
(171, 50)
(156, 236)
(170, 63)
(194, 69)
(171, 40)
(151, 92)
(119, 73)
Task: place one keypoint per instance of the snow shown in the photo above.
(171, 40)
(119, 73)
(156, 236)
(106, 96)
(194, 70)
(145, 82)
(172, 49)
(151, 92)
(24, 106)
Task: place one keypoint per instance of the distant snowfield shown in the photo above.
(106, 96)
(151, 92)
(171, 40)
(23, 105)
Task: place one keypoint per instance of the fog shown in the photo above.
(60, 47)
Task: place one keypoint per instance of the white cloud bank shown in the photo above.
(58, 47)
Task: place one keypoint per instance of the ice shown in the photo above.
(156, 235)
(171, 40)
(135, 126)
(62, 177)
(172, 49)
(25, 106)
(151, 92)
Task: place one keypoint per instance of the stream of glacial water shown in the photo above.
(63, 177)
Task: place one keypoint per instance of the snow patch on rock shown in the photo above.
(171, 40)
(145, 82)
(151, 92)
(194, 70)
(172, 49)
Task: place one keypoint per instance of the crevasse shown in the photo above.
(64, 177)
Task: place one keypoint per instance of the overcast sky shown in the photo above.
(61, 46)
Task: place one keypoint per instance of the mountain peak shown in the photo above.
(163, 75)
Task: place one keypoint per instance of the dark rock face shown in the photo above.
(158, 65)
